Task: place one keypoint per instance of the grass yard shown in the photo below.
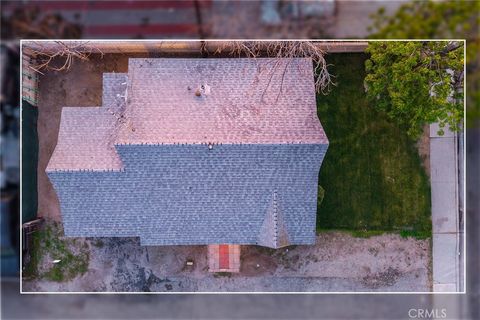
(48, 245)
(372, 175)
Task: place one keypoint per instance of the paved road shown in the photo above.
(235, 306)
(473, 221)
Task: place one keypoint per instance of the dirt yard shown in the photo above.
(338, 262)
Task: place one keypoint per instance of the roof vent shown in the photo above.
(203, 90)
(206, 89)
(210, 146)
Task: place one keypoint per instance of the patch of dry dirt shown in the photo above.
(381, 279)
(337, 262)
(256, 261)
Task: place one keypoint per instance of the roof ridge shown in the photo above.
(275, 218)
(55, 170)
(273, 231)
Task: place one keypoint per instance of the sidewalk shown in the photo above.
(446, 225)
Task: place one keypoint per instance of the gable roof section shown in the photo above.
(86, 136)
(245, 101)
(273, 232)
(83, 141)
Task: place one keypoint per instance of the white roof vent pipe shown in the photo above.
(205, 89)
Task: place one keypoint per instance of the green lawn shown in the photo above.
(372, 173)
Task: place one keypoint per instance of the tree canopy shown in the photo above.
(438, 20)
(417, 82)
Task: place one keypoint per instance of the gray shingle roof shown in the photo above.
(256, 183)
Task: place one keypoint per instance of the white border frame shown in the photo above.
(262, 292)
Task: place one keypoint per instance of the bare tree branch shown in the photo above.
(288, 50)
(46, 60)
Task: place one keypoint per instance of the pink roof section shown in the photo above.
(87, 134)
(244, 101)
(84, 141)
(240, 101)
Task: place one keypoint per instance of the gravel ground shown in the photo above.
(338, 262)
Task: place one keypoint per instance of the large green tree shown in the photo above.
(438, 20)
(417, 82)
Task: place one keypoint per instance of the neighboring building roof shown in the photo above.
(189, 173)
